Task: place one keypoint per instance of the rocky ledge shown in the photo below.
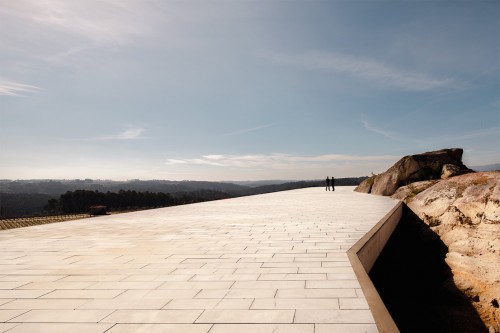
(463, 208)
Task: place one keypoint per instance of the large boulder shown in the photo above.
(465, 212)
(414, 168)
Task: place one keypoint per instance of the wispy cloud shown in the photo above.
(130, 134)
(384, 133)
(66, 29)
(492, 131)
(9, 88)
(95, 21)
(364, 69)
(277, 160)
(172, 161)
(248, 130)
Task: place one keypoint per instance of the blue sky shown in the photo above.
(243, 90)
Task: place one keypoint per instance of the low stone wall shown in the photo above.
(363, 255)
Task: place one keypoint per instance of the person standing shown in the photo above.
(333, 184)
(327, 184)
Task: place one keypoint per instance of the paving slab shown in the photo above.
(346, 328)
(267, 263)
(160, 328)
(60, 328)
(263, 328)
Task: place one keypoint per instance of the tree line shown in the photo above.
(80, 201)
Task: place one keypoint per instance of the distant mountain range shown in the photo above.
(489, 167)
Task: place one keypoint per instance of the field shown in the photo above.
(30, 221)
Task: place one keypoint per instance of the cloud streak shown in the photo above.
(492, 131)
(130, 134)
(364, 69)
(66, 29)
(386, 134)
(248, 130)
(10, 88)
(92, 20)
(277, 160)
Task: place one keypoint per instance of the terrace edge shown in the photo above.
(363, 255)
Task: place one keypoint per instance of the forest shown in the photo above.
(81, 200)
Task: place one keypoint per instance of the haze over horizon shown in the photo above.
(243, 90)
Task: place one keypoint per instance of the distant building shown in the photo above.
(98, 210)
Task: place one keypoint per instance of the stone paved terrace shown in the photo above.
(268, 263)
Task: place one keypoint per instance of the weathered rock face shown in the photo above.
(413, 168)
(468, 199)
(450, 170)
(465, 212)
(366, 185)
(408, 192)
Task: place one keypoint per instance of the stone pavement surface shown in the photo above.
(268, 263)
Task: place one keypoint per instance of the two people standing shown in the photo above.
(328, 182)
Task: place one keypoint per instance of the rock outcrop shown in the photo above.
(427, 166)
(463, 208)
(465, 212)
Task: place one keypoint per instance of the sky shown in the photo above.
(243, 90)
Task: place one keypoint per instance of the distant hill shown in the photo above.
(303, 184)
(30, 197)
(489, 167)
(257, 183)
(56, 187)
(353, 181)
